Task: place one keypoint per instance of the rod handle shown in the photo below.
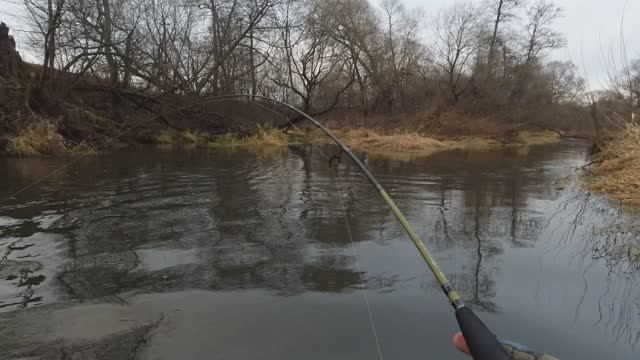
(482, 343)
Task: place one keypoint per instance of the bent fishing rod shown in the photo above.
(482, 343)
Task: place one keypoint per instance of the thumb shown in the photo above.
(460, 344)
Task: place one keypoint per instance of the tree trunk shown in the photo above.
(597, 127)
(107, 43)
(532, 42)
(494, 37)
(254, 85)
(54, 17)
(128, 55)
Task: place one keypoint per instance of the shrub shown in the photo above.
(41, 137)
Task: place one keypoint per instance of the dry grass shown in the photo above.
(83, 148)
(376, 140)
(164, 137)
(266, 142)
(193, 137)
(39, 138)
(228, 139)
(618, 175)
(537, 137)
(473, 144)
(186, 138)
(410, 143)
(264, 137)
(417, 134)
(267, 136)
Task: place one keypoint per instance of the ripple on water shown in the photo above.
(264, 244)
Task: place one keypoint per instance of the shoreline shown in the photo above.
(615, 172)
(412, 144)
(42, 139)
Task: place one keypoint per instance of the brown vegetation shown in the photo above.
(41, 137)
(146, 71)
(308, 53)
(173, 137)
(263, 137)
(416, 144)
(618, 172)
(372, 140)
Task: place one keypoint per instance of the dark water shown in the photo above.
(236, 255)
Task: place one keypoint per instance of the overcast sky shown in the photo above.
(592, 28)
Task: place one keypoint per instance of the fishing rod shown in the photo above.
(482, 343)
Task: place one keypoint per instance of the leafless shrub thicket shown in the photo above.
(321, 55)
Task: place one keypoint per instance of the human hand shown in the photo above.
(516, 351)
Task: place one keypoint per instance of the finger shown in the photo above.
(460, 344)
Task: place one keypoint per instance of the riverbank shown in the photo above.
(43, 138)
(378, 141)
(415, 143)
(616, 172)
(86, 116)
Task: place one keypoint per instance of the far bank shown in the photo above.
(44, 137)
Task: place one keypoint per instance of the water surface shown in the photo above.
(235, 255)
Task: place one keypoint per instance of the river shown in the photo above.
(216, 254)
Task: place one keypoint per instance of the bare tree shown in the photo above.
(311, 56)
(354, 25)
(633, 75)
(46, 16)
(455, 45)
(564, 81)
(320, 54)
(403, 49)
(502, 11)
(625, 80)
(232, 22)
(540, 33)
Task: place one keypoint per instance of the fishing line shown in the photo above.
(365, 293)
(330, 160)
(482, 343)
(357, 264)
(334, 162)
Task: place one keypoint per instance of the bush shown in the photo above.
(42, 137)
(39, 138)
